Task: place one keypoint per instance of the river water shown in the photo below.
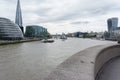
(35, 60)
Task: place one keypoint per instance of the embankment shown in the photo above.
(18, 41)
(86, 64)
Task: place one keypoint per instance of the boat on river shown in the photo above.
(47, 41)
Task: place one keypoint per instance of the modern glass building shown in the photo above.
(112, 24)
(35, 31)
(18, 18)
(9, 30)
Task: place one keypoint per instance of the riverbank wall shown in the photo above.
(6, 42)
(86, 64)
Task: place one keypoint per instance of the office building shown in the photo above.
(18, 18)
(112, 24)
(9, 30)
(35, 31)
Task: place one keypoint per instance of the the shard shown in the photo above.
(18, 19)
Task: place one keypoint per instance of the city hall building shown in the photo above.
(9, 30)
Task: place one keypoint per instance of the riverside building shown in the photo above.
(113, 29)
(9, 30)
(112, 24)
(35, 31)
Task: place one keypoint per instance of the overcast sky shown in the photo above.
(64, 15)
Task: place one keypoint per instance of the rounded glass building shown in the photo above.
(9, 30)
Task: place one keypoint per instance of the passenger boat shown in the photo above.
(47, 41)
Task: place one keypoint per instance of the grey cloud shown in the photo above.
(81, 22)
(43, 11)
(71, 14)
(26, 1)
(78, 13)
(54, 12)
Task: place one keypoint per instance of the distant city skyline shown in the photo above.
(64, 15)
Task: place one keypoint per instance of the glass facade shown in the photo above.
(112, 24)
(36, 31)
(18, 18)
(9, 30)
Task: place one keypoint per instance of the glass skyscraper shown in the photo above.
(112, 24)
(18, 18)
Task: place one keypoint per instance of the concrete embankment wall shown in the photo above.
(86, 64)
(17, 41)
(106, 55)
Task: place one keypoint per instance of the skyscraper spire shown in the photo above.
(18, 19)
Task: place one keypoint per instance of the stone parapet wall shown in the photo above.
(86, 64)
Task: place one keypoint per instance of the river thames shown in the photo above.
(35, 60)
